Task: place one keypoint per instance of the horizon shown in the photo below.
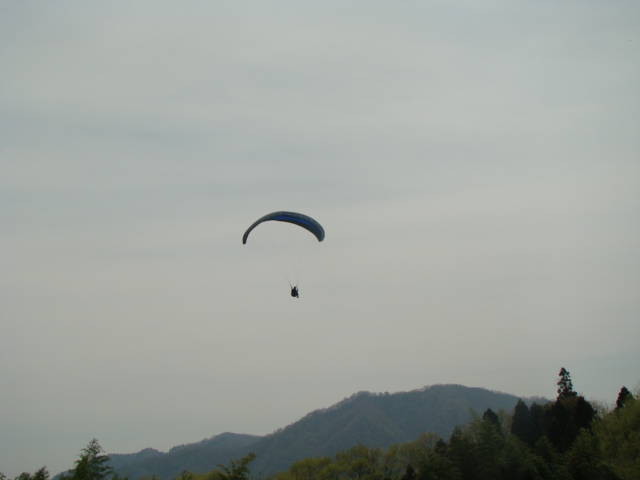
(349, 398)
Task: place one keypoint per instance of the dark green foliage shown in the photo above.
(585, 461)
(623, 396)
(309, 468)
(560, 441)
(359, 462)
(374, 420)
(491, 417)
(564, 440)
(565, 386)
(435, 466)
(92, 464)
(618, 435)
(237, 469)
(565, 418)
(461, 452)
(570, 413)
(522, 424)
(536, 412)
(203, 456)
(409, 473)
(487, 444)
(42, 474)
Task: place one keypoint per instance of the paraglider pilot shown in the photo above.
(294, 291)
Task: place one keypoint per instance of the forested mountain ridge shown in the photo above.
(199, 456)
(565, 439)
(374, 420)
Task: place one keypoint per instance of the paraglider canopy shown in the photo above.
(299, 219)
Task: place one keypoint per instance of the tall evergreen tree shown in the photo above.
(522, 423)
(491, 417)
(565, 386)
(537, 421)
(462, 452)
(623, 396)
(564, 418)
(92, 464)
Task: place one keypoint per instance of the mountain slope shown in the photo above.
(375, 420)
(202, 456)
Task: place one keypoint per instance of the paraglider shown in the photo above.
(304, 221)
(299, 219)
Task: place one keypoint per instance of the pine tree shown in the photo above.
(91, 465)
(491, 417)
(42, 474)
(522, 424)
(623, 396)
(565, 387)
(570, 413)
(537, 421)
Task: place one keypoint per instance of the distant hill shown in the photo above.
(374, 420)
(201, 456)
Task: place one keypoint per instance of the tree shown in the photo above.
(239, 469)
(618, 435)
(409, 473)
(462, 452)
(92, 464)
(584, 460)
(537, 421)
(565, 418)
(360, 462)
(42, 474)
(488, 443)
(491, 417)
(522, 423)
(565, 387)
(623, 396)
(309, 468)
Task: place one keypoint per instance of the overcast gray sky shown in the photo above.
(475, 165)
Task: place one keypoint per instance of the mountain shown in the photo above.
(201, 456)
(371, 419)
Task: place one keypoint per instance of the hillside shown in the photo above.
(375, 420)
(198, 457)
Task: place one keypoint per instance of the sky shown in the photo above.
(475, 165)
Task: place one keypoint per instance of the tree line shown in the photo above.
(567, 439)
